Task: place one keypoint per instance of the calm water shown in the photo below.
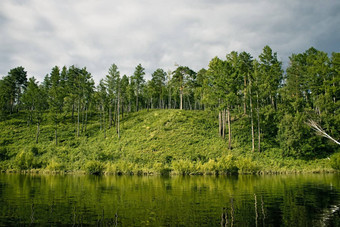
(288, 200)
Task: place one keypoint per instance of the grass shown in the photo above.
(152, 142)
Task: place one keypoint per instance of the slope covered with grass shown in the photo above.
(154, 141)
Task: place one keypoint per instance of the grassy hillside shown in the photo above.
(155, 141)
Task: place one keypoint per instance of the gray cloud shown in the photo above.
(40, 34)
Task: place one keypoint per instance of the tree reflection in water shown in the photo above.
(284, 200)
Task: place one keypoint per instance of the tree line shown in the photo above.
(271, 104)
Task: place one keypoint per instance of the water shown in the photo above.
(283, 200)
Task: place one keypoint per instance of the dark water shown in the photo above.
(288, 200)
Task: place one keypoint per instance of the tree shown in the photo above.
(158, 81)
(56, 99)
(7, 86)
(183, 78)
(245, 69)
(35, 101)
(19, 76)
(111, 82)
(222, 92)
(124, 93)
(103, 103)
(320, 131)
(271, 72)
(138, 81)
(201, 84)
(113, 88)
(12, 87)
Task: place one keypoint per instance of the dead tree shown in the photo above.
(319, 131)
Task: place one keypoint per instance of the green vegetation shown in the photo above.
(240, 115)
(152, 142)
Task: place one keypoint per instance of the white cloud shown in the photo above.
(40, 34)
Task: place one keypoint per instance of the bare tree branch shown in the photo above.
(319, 131)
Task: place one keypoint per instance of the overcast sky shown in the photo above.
(40, 34)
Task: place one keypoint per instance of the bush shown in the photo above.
(182, 166)
(24, 160)
(210, 167)
(54, 166)
(94, 167)
(335, 161)
(227, 164)
(246, 165)
(161, 168)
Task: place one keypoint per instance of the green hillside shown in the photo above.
(151, 142)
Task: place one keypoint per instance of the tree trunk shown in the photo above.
(56, 133)
(82, 119)
(118, 116)
(122, 109)
(169, 101)
(258, 123)
(85, 118)
(223, 124)
(38, 132)
(181, 98)
(101, 117)
(229, 129)
(137, 102)
(220, 123)
(190, 107)
(78, 126)
(251, 119)
(110, 116)
(72, 111)
(245, 94)
(104, 123)
(115, 114)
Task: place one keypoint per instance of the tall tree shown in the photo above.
(111, 82)
(183, 78)
(138, 81)
(35, 101)
(158, 81)
(56, 99)
(113, 88)
(12, 87)
(271, 73)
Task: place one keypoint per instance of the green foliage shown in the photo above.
(246, 166)
(24, 160)
(94, 167)
(227, 164)
(335, 161)
(182, 166)
(250, 103)
(54, 165)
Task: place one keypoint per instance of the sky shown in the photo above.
(94, 34)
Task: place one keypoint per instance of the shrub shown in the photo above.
(227, 164)
(246, 165)
(24, 160)
(54, 166)
(210, 167)
(94, 167)
(182, 166)
(4, 153)
(161, 168)
(335, 161)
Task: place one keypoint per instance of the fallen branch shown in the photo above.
(320, 131)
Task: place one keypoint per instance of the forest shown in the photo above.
(243, 108)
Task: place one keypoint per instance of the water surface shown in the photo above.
(281, 200)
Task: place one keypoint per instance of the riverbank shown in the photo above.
(154, 142)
